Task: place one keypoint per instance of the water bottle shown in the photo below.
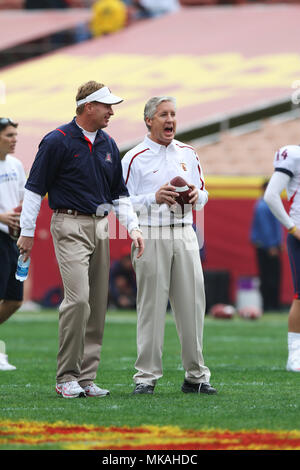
(22, 268)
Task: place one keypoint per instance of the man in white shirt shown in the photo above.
(287, 176)
(12, 182)
(78, 165)
(171, 266)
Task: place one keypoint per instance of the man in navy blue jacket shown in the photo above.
(79, 166)
(267, 238)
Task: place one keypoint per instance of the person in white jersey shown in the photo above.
(170, 268)
(12, 182)
(287, 176)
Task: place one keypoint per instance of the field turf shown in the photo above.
(247, 360)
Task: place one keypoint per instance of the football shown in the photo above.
(15, 233)
(250, 312)
(222, 311)
(182, 201)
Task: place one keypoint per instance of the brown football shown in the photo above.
(183, 190)
(13, 232)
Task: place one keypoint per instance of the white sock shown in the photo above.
(293, 341)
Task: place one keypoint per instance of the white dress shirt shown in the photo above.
(148, 166)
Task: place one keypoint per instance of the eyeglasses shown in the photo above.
(6, 121)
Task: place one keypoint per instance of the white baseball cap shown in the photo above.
(103, 95)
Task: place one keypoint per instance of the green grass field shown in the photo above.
(247, 360)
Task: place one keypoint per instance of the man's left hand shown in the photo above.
(138, 241)
(194, 195)
(25, 245)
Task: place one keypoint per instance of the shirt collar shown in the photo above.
(154, 146)
(77, 130)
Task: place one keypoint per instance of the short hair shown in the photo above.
(5, 122)
(152, 105)
(85, 90)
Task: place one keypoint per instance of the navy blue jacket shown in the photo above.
(266, 230)
(75, 173)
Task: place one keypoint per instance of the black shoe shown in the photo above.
(202, 387)
(143, 388)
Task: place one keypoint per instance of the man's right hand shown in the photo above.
(25, 245)
(138, 240)
(166, 195)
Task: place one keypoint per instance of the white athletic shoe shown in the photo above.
(293, 363)
(4, 364)
(70, 390)
(92, 390)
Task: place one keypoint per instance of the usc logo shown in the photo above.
(183, 166)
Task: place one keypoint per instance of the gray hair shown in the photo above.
(152, 105)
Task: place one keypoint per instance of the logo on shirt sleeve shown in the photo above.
(108, 158)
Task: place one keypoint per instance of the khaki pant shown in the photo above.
(169, 269)
(82, 250)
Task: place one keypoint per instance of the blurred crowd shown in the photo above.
(107, 16)
(122, 283)
(138, 7)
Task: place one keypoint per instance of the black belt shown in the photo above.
(171, 225)
(75, 212)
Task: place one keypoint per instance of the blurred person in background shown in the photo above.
(267, 238)
(12, 182)
(108, 16)
(122, 285)
(286, 176)
(142, 9)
